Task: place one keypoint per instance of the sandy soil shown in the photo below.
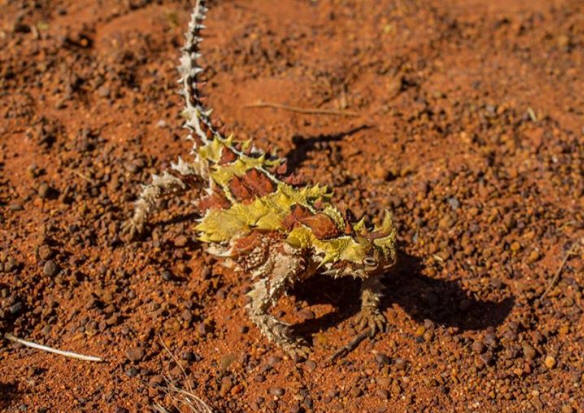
(470, 128)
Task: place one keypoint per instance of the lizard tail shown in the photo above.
(197, 115)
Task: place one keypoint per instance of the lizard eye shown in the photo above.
(370, 262)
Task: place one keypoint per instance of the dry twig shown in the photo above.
(343, 351)
(309, 111)
(70, 354)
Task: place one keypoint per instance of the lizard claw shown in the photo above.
(131, 229)
(371, 319)
(298, 350)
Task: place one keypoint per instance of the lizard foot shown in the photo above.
(372, 319)
(297, 349)
(131, 230)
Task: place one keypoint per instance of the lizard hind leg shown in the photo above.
(183, 177)
(278, 274)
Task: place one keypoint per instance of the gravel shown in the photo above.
(50, 268)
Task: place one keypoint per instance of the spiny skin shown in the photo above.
(277, 233)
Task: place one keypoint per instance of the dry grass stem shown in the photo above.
(82, 176)
(309, 111)
(69, 354)
(571, 252)
(181, 397)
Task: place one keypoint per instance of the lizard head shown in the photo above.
(368, 252)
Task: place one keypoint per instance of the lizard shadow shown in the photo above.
(443, 302)
(304, 145)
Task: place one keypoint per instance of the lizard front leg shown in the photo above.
(370, 315)
(279, 273)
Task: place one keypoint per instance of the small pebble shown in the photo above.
(167, 275)
(382, 394)
(399, 364)
(307, 314)
(310, 365)
(273, 360)
(528, 351)
(226, 385)
(189, 356)
(45, 252)
(180, 241)
(490, 339)
(103, 91)
(383, 382)
(44, 190)
(276, 391)
(132, 372)
(113, 320)
(295, 408)
(478, 347)
(50, 268)
(187, 315)
(203, 328)
(550, 362)
(227, 360)
(487, 358)
(533, 256)
(135, 354)
(10, 264)
(382, 359)
(16, 308)
(395, 388)
(331, 395)
(356, 391)
(156, 380)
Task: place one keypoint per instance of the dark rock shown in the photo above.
(16, 308)
(50, 268)
(382, 359)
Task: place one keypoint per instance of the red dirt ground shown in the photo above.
(470, 128)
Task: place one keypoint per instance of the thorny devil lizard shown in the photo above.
(251, 217)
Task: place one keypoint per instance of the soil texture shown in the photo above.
(469, 126)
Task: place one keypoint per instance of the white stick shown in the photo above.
(50, 349)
